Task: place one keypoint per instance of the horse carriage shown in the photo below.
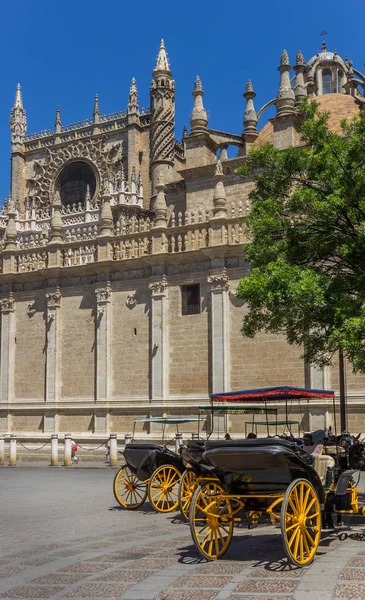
(198, 468)
(151, 470)
(270, 477)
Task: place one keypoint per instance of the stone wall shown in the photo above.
(130, 342)
(78, 345)
(30, 348)
(188, 343)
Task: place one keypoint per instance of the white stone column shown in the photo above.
(7, 365)
(53, 356)
(2, 450)
(103, 343)
(54, 450)
(113, 450)
(67, 450)
(159, 340)
(12, 452)
(219, 286)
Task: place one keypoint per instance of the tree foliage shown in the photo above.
(307, 241)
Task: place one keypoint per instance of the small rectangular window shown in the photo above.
(190, 299)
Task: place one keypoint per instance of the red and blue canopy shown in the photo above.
(284, 392)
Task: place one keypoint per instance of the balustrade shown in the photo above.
(32, 261)
(132, 238)
(82, 254)
(83, 232)
(132, 247)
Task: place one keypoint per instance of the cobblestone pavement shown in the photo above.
(62, 535)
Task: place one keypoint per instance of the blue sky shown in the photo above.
(64, 52)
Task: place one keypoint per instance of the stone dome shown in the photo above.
(339, 107)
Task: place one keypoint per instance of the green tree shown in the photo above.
(306, 244)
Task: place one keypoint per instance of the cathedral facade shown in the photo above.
(121, 252)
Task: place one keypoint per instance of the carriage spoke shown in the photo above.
(291, 527)
(312, 541)
(301, 547)
(309, 506)
(295, 511)
(293, 537)
(306, 546)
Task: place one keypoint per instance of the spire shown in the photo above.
(56, 221)
(300, 90)
(185, 132)
(58, 123)
(18, 97)
(96, 113)
(198, 117)
(285, 100)
(219, 198)
(250, 116)
(324, 46)
(18, 119)
(299, 59)
(133, 107)
(162, 132)
(160, 203)
(162, 62)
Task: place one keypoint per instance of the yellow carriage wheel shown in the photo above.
(211, 520)
(163, 488)
(300, 522)
(187, 487)
(129, 491)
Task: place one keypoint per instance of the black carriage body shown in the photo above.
(192, 454)
(260, 467)
(144, 459)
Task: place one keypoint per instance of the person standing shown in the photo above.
(107, 452)
(74, 448)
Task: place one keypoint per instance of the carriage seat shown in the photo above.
(195, 444)
(136, 446)
(322, 463)
(248, 443)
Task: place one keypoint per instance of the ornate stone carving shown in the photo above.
(32, 261)
(103, 294)
(31, 309)
(218, 169)
(107, 160)
(219, 281)
(8, 304)
(162, 140)
(54, 299)
(18, 119)
(131, 300)
(159, 288)
(189, 268)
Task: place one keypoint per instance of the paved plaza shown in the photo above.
(62, 535)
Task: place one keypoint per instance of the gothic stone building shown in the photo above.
(121, 253)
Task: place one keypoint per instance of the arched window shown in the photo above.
(340, 82)
(326, 81)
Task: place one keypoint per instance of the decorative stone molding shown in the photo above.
(106, 159)
(103, 297)
(8, 304)
(219, 282)
(131, 301)
(103, 294)
(54, 299)
(31, 309)
(159, 288)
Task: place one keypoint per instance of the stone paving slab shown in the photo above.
(63, 536)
